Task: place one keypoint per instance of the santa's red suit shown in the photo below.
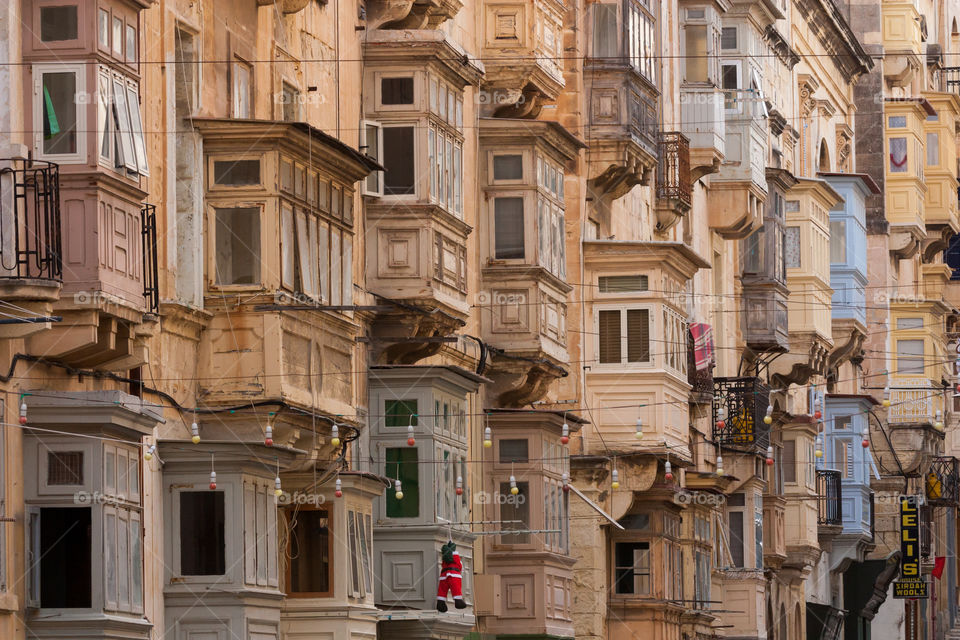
(451, 579)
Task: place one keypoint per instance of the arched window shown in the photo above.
(824, 163)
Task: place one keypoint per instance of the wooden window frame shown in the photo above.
(287, 513)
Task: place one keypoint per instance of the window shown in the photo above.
(842, 422)
(103, 28)
(122, 559)
(400, 413)
(730, 83)
(508, 167)
(909, 323)
(728, 38)
(372, 145)
(290, 102)
(59, 112)
(838, 241)
(910, 356)
(515, 513)
(202, 542)
(237, 259)
(605, 30)
(757, 531)
(897, 122)
(396, 91)
(64, 468)
(551, 228)
(241, 90)
(792, 248)
(735, 523)
(131, 43)
(843, 457)
(401, 464)
(508, 227)
(622, 284)
(623, 331)
(753, 252)
(236, 173)
(136, 129)
(631, 568)
(898, 155)
(310, 553)
(118, 37)
(399, 160)
(513, 451)
(933, 149)
(641, 38)
(696, 53)
(58, 23)
(61, 537)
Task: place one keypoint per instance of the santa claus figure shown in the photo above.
(451, 578)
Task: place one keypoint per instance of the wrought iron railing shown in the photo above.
(942, 482)
(739, 405)
(948, 79)
(30, 219)
(148, 235)
(873, 517)
(829, 494)
(673, 167)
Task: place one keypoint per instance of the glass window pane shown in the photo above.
(103, 28)
(58, 23)
(838, 241)
(136, 129)
(735, 521)
(638, 335)
(514, 450)
(933, 149)
(202, 527)
(792, 247)
(604, 30)
(396, 90)
(124, 130)
(136, 565)
(118, 37)
(131, 43)
(910, 356)
(515, 512)
(399, 161)
(696, 54)
(310, 551)
(238, 245)
(401, 464)
(508, 229)
(898, 155)
(59, 112)
(508, 167)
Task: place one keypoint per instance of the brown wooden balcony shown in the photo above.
(673, 178)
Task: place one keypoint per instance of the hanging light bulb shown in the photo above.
(410, 439)
(818, 450)
(459, 485)
(213, 480)
(514, 490)
(23, 413)
(667, 471)
(565, 434)
(268, 439)
(397, 490)
(639, 434)
(886, 396)
(770, 456)
(817, 413)
(335, 435)
(487, 438)
(615, 479)
(195, 433)
(277, 489)
(866, 437)
(721, 416)
(148, 454)
(938, 423)
(338, 486)
(565, 478)
(720, 465)
(768, 419)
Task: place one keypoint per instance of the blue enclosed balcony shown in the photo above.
(844, 428)
(848, 246)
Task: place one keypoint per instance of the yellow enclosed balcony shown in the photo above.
(906, 193)
(918, 363)
(903, 38)
(941, 214)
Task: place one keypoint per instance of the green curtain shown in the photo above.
(51, 126)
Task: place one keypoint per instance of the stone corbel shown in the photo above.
(844, 144)
(802, 367)
(395, 336)
(935, 243)
(527, 105)
(411, 14)
(851, 350)
(286, 6)
(520, 381)
(903, 244)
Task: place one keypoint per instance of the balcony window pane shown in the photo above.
(758, 532)
(400, 413)
(604, 30)
(838, 241)
(735, 520)
(933, 149)
(609, 343)
(909, 323)
(897, 122)
(638, 335)
(514, 451)
(58, 23)
(396, 90)
(508, 167)
(372, 139)
(910, 356)
(118, 37)
(126, 154)
(508, 228)
(623, 284)
(399, 161)
(310, 552)
(696, 48)
(792, 248)
(238, 246)
(136, 129)
(632, 568)
(202, 527)
(236, 173)
(402, 465)
(103, 28)
(752, 244)
(131, 43)
(730, 83)
(898, 155)
(241, 90)
(515, 512)
(136, 565)
(728, 38)
(60, 113)
(843, 458)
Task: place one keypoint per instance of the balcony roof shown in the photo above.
(554, 135)
(658, 253)
(865, 178)
(421, 47)
(923, 103)
(425, 371)
(304, 139)
(569, 417)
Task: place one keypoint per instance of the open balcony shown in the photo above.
(739, 405)
(30, 252)
(942, 485)
(674, 188)
(829, 498)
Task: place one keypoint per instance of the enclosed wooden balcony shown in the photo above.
(940, 207)
(905, 187)
(31, 266)
(674, 188)
(903, 41)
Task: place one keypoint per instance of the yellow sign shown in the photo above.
(909, 539)
(910, 589)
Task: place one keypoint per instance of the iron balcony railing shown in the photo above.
(739, 405)
(30, 219)
(873, 517)
(148, 236)
(673, 167)
(942, 482)
(829, 494)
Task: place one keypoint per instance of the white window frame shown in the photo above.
(737, 100)
(80, 72)
(651, 309)
(236, 102)
(378, 156)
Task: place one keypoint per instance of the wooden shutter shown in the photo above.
(608, 326)
(638, 335)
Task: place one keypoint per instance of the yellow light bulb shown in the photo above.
(195, 439)
(487, 444)
(514, 490)
(399, 495)
(278, 492)
(767, 420)
(615, 484)
(335, 442)
(886, 402)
